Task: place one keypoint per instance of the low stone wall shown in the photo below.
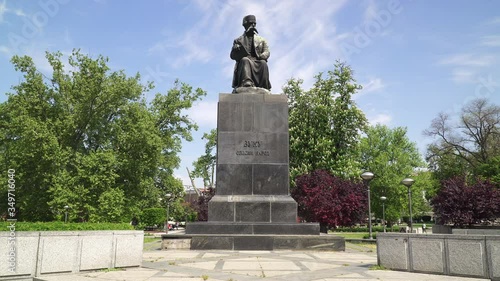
(253, 242)
(446, 229)
(448, 254)
(37, 253)
(476, 231)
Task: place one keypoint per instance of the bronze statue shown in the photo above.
(250, 51)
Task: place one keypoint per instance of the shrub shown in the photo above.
(152, 216)
(61, 226)
(330, 200)
(394, 228)
(461, 204)
(367, 236)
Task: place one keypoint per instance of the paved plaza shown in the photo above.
(356, 263)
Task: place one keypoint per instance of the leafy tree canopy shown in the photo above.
(468, 144)
(204, 166)
(86, 138)
(462, 204)
(330, 200)
(391, 156)
(325, 124)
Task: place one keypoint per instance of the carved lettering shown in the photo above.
(244, 152)
(262, 153)
(254, 144)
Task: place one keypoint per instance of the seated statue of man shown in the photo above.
(250, 51)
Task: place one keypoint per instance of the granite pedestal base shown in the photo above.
(252, 208)
(267, 242)
(228, 228)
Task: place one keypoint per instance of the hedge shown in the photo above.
(61, 226)
(394, 228)
(152, 216)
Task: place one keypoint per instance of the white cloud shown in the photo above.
(19, 12)
(67, 38)
(467, 67)
(6, 51)
(491, 41)
(381, 118)
(370, 10)
(278, 21)
(204, 113)
(375, 84)
(463, 75)
(3, 9)
(468, 60)
(494, 21)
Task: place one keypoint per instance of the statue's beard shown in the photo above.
(251, 30)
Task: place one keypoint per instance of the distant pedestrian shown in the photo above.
(424, 228)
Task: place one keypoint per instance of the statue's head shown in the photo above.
(249, 23)
(249, 20)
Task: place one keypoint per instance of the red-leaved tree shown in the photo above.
(330, 200)
(461, 204)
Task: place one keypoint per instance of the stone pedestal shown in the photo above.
(252, 195)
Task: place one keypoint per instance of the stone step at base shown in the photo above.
(267, 242)
(216, 227)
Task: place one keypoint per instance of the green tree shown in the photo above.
(204, 166)
(391, 156)
(86, 138)
(325, 124)
(468, 144)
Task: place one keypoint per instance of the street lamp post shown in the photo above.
(408, 182)
(367, 177)
(66, 213)
(383, 198)
(168, 196)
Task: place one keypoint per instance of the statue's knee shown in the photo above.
(245, 60)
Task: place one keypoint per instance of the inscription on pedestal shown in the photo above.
(252, 148)
(255, 145)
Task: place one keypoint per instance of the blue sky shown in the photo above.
(413, 58)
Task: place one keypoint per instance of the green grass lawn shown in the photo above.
(152, 243)
(428, 225)
(351, 235)
(151, 239)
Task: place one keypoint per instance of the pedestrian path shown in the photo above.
(356, 263)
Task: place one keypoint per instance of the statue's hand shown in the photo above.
(236, 47)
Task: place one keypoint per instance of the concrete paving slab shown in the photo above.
(299, 256)
(71, 277)
(186, 265)
(214, 255)
(245, 273)
(313, 266)
(180, 254)
(209, 265)
(241, 265)
(131, 274)
(282, 265)
(274, 273)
